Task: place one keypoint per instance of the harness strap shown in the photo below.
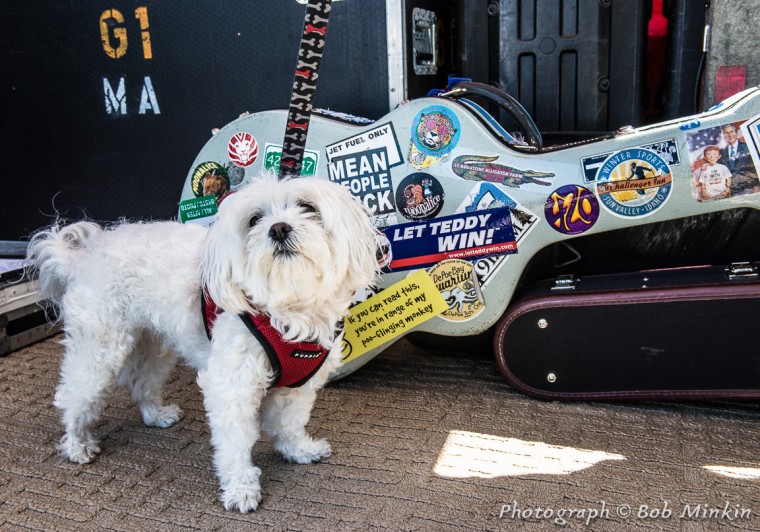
(304, 87)
(293, 363)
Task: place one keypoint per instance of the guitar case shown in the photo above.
(687, 333)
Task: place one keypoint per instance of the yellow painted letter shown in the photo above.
(108, 19)
(141, 13)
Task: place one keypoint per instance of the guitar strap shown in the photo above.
(304, 86)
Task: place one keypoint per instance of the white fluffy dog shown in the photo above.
(130, 300)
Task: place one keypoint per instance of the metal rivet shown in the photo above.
(551, 377)
(543, 324)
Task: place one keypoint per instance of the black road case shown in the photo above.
(105, 106)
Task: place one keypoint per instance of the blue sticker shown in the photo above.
(435, 131)
(490, 196)
(634, 183)
(464, 236)
(691, 125)
(667, 149)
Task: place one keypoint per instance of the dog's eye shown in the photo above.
(254, 220)
(307, 207)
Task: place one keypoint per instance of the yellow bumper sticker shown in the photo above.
(386, 315)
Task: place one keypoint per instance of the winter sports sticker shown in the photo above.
(634, 183)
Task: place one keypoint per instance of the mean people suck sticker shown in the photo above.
(633, 183)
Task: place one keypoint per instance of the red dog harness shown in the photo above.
(293, 363)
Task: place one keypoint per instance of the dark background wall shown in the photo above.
(579, 67)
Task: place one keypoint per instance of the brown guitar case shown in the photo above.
(688, 333)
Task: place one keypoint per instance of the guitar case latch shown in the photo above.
(565, 282)
(742, 271)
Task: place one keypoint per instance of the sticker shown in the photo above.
(421, 161)
(382, 136)
(634, 183)
(459, 236)
(482, 168)
(242, 149)
(198, 210)
(667, 149)
(435, 131)
(210, 178)
(366, 174)
(235, 174)
(571, 209)
(693, 124)
(489, 196)
(751, 133)
(396, 310)
(273, 154)
(458, 284)
(486, 196)
(419, 196)
(721, 163)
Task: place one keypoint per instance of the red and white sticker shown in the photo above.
(243, 149)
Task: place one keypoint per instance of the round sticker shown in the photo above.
(419, 196)
(210, 178)
(571, 209)
(435, 131)
(633, 183)
(242, 149)
(458, 284)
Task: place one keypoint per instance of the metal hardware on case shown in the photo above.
(625, 130)
(565, 282)
(742, 271)
(542, 323)
(424, 42)
(551, 377)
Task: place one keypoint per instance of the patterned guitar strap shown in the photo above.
(304, 87)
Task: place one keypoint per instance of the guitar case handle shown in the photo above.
(503, 100)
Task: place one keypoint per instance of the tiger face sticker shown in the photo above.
(435, 131)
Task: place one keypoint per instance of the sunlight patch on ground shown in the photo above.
(734, 472)
(469, 454)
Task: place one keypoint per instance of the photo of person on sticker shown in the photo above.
(718, 156)
(713, 179)
(735, 156)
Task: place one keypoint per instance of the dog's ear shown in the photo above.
(223, 258)
(350, 222)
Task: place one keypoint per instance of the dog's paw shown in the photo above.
(305, 451)
(243, 493)
(162, 417)
(77, 451)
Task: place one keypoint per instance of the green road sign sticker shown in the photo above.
(273, 153)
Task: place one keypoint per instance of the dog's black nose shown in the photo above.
(279, 231)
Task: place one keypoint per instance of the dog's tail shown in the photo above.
(52, 252)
